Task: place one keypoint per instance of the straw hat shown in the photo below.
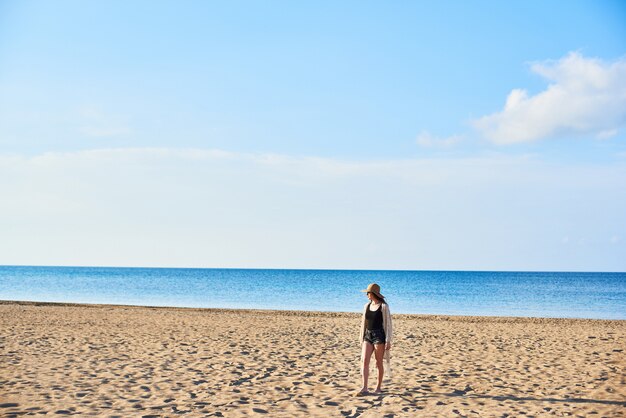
(375, 289)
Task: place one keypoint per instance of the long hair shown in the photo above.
(378, 299)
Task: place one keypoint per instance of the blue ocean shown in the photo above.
(523, 294)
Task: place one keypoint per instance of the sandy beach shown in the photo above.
(121, 361)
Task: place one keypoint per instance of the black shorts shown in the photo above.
(375, 336)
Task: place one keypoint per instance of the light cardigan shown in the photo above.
(386, 323)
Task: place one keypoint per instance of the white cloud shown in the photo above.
(609, 133)
(586, 96)
(427, 140)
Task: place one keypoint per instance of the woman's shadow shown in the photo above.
(420, 394)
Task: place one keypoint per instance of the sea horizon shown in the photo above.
(311, 269)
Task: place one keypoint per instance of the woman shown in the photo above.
(376, 335)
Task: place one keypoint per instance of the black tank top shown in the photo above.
(374, 319)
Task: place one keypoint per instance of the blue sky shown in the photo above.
(416, 135)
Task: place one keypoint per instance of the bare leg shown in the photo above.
(379, 353)
(366, 355)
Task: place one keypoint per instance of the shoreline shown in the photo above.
(589, 295)
(426, 317)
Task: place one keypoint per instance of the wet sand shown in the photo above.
(102, 360)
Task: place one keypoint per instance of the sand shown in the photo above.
(110, 361)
